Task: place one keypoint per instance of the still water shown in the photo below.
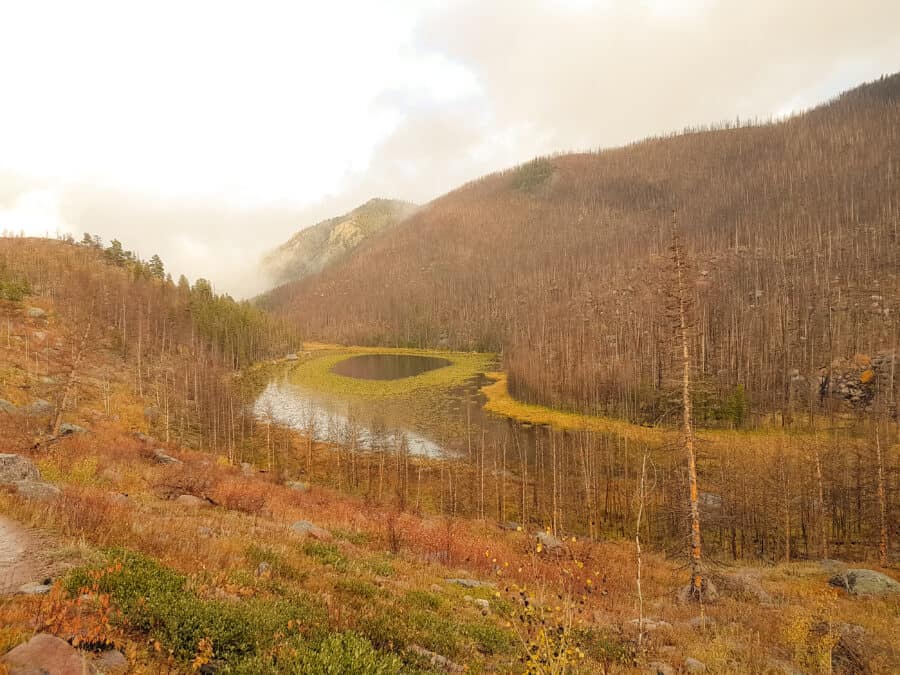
(387, 366)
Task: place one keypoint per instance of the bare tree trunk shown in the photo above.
(882, 504)
(71, 381)
(637, 547)
(688, 425)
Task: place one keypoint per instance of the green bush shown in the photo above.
(337, 654)
(156, 600)
(327, 554)
(423, 600)
(489, 638)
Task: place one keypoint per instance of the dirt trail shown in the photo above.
(22, 556)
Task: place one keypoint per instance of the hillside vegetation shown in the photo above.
(790, 230)
(314, 248)
(178, 561)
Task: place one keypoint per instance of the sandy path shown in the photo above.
(21, 559)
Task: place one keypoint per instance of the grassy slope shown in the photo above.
(383, 575)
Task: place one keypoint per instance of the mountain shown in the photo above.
(563, 265)
(312, 249)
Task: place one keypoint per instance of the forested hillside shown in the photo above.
(312, 249)
(563, 264)
(177, 344)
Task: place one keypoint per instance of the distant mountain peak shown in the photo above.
(313, 248)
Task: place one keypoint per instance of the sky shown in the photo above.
(210, 131)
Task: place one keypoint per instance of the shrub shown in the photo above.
(244, 496)
(156, 600)
(337, 654)
(327, 554)
(423, 600)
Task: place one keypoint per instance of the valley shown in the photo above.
(626, 411)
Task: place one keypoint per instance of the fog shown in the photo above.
(212, 133)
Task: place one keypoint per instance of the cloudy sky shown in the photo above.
(210, 131)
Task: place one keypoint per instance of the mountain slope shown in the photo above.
(791, 229)
(313, 248)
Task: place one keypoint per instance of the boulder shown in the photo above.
(436, 661)
(15, 468)
(163, 458)
(308, 529)
(111, 662)
(297, 485)
(660, 668)
(692, 665)
(38, 408)
(247, 469)
(191, 501)
(865, 582)
(710, 593)
(35, 588)
(550, 543)
(37, 490)
(264, 569)
(35, 313)
(7, 407)
(471, 583)
(651, 625)
(67, 428)
(45, 653)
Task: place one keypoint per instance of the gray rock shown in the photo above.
(692, 665)
(118, 498)
(660, 668)
(39, 407)
(34, 588)
(290, 357)
(710, 593)
(190, 500)
(67, 428)
(35, 313)
(247, 469)
(470, 583)
(510, 526)
(651, 625)
(45, 654)
(15, 468)
(550, 543)
(111, 662)
(7, 407)
(308, 529)
(436, 660)
(263, 569)
(160, 455)
(297, 485)
(37, 490)
(865, 582)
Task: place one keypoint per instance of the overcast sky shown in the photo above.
(210, 131)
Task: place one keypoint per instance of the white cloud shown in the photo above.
(209, 131)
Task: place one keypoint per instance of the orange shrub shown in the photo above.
(246, 496)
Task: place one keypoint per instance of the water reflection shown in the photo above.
(387, 366)
(336, 421)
